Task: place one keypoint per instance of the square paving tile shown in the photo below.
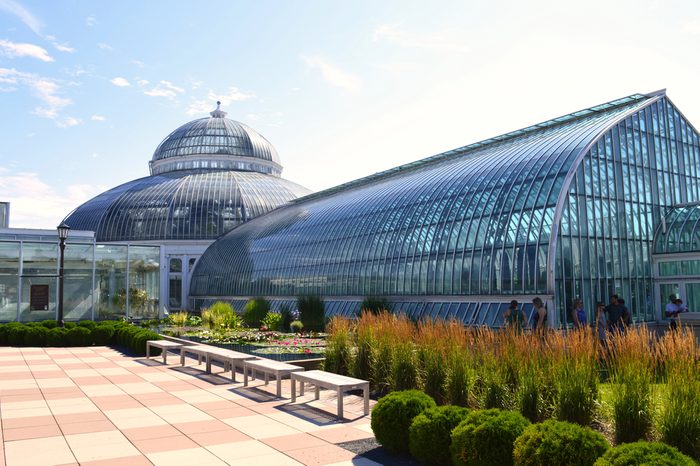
(145, 433)
(321, 455)
(294, 442)
(100, 446)
(234, 452)
(155, 445)
(194, 456)
(46, 451)
(217, 437)
(23, 433)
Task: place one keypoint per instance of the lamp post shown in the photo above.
(62, 235)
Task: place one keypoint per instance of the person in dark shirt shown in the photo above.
(617, 313)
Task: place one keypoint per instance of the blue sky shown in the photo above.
(342, 89)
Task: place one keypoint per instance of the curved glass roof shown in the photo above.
(182, 205)
(680, 231)
(215, 143)
(439, 226)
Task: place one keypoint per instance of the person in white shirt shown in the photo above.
(672, 311)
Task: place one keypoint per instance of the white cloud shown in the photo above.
(63, 48)
(23, 14)
(91, 20)
(37, 204)
(120, 82)
(138, 63)
(14, 49)
(233, 94)
(142, 82)
(446, 40)
(691, 27)
(97, 118)
(332, 74)
(165, 89)
(68, 122)
(45, 89)
(103, 46)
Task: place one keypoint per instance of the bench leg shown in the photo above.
(245, 376)
(199, 357)
(365, 391)
(182, 358)
(340, 404)
(267, 378)
(301, 389)
(233, 372)
(294, 390)
(279, 386)
(208, 368)
(148, 351)
(317, 392)
(165, 356)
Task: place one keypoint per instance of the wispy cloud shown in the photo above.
(120, 82)
(105, 46)
(445, 40)
(97, 118)
(37, 204)
(15, 49)
(233, 94)
(45, 89)
(32, 22)
(332, 74)
(165, 89)
(23, 15)
(142, 82)
(67, 122)
(138, 63)
(91, 21)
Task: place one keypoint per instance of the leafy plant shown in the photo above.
(404, 367)
(312, 312)
(179, 319)
(430, 434)
(338, 357)
(255, 311)
(296, 326)
(221, 316)
(558, 443)
(272, 321)
(374, 304)
(392, 417)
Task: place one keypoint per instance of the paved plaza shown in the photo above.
(97, 406)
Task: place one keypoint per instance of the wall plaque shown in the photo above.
(39, 298)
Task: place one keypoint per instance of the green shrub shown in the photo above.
(312, 312)
(179, 319)
(392, 417)
(255, 312)
(5, 331)
(89, 324)
(69, 325)
(576, 393)
(644, 453)
(194, 321)
(221, 315)
(49, 323)
(296, 326)
(78, 336)
(404, 367)
(102, 334)
(272, 321)
(374, 304)
(486, 437)
(56, 337)
(558, 443)
(430, 434)
(35, 336)
(287, 318)
(15, 335)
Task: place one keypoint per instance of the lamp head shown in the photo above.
(62, 230)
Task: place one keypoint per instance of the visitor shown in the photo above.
(626, 313)
(617, 314)
(601, 323)
(540, 324)
(514, 317)
(579, 314)
(674, 307)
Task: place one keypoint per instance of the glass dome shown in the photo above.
(215, 143)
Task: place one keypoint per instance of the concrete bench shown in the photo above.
(164, 346)
(230, 358)
(269, 367)
(332, 381)
(199, 350)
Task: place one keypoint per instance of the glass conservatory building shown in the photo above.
(564, 209)
(207, 176)
(101, 281)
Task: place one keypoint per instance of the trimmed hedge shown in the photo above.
(486, 437)
(85, 333)
(558, 443)
(429, 436)
(644, 453)
(392, 417)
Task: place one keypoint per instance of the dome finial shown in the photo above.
(218, 113)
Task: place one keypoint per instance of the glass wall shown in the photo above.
(96, 280)
(626, 183)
